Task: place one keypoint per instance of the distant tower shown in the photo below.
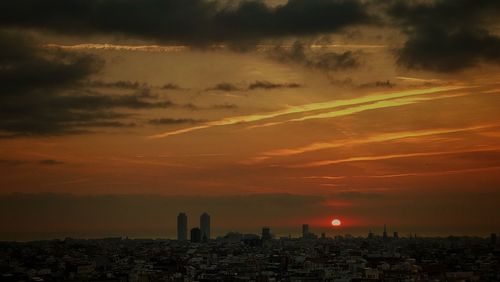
(384, 235)
(305, 230)
(396, 235)
(370, 234)
(195, 235)
(182, 227)
(205, 226)
(266, 233)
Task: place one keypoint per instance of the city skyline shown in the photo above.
(117, 115)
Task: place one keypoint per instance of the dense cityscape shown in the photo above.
(252, 257)
(249, 140)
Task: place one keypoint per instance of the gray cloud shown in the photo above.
(187, 21)
(170, 121)
(171, 86)
(271, 85)
(261, 84)
(120, 84)
(224, 87)
(378, 84)
(46, 92)
(447, 35)
(301, 53)
(225, 106)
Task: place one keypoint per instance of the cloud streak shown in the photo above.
(436, 173)
(311, 107)
(358, 109)
(389, 156)
(382, 137)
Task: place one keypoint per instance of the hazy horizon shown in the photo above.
(56, 216)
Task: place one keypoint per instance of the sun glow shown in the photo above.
(336, 222)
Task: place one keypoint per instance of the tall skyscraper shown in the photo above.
(205, 226)
(266, 233)
(305, 230)
(182, 227)
(196, 235)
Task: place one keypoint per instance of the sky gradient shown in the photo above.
(116, 115)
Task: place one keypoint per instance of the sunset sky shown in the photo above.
(116, 115)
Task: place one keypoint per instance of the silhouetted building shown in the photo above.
(305, 230)
(195, 235)
(395, 235)
(205, 226)
(384, 235)
(493, 238)
(182, 227)
(370, 234)
(266, 233)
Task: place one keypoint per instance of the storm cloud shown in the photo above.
(188, 21)
(42, 91)
(447, 35)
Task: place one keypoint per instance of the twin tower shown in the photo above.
(197, 234)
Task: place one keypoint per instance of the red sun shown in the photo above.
(336, 222)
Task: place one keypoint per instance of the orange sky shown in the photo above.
(373, 144)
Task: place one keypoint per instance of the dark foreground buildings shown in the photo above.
(239, 257)
(250, 257)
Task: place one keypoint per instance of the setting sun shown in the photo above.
(336, 222)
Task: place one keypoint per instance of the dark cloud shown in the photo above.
(171, 86)
(43, 92)
(114, 124)
(50, 162)
(224, 87)
(119, 84)
(171, 121)
(96, 102)
(271, 85)
(377, 84)
(261, 84)
(302, 54)
(447, 35)
(27, 68)
(188, 21)
(225, 106)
